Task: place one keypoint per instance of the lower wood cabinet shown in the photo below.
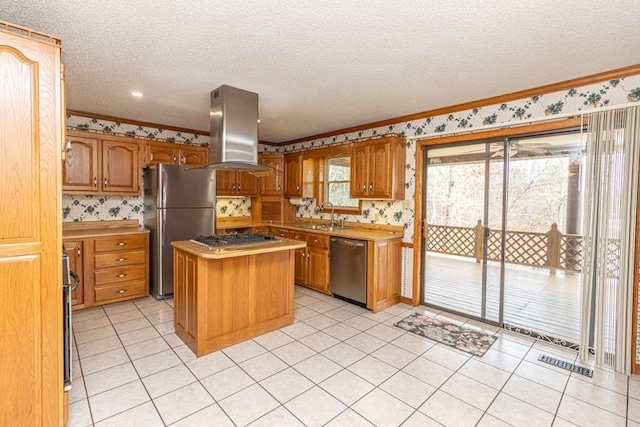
(111, 268)
(75, 251)
(312, 262)
(219, 302)
(312, 266)
(383, 273)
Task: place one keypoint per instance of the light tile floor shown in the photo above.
(337, 365)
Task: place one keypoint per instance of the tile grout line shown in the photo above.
(342, 368)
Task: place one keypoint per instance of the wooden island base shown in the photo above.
(222, 298)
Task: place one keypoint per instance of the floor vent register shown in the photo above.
(566, 365)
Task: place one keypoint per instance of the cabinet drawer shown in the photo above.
(278, 232)
(118, 259)
(117, 275)
(120, 290)
(120, 243)
(318, 240)
(296, 235)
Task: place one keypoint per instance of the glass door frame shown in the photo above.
(517, 137)
(486, 230)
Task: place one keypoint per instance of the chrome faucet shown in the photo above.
(319, 208)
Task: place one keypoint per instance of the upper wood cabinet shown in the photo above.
(80, 171)
(378, 169)
(177, 154)
(31, 135)
(101, 164)
(272, 185)
(235, 183)
(293, 175)
(120, 167)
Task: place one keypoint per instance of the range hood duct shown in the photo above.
(234, 131)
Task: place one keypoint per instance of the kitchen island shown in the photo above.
(224, 296)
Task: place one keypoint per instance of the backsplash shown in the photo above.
(233, 206)
(101, 208)
(110, 208)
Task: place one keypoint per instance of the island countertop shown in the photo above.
(237, 251)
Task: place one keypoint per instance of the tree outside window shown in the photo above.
(338, 182)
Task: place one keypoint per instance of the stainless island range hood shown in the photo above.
(234, 131)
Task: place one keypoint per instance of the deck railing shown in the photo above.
(553, 250)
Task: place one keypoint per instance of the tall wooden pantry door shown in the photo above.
(31, 127)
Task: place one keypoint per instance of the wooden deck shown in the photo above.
(534, 299)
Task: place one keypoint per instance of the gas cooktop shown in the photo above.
(219, 241)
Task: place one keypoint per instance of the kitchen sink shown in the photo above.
(320, 227)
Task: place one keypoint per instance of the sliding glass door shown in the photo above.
(463, 199)
(543, 242)
(502, 232)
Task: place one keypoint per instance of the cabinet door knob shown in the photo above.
(95, 181)
(78, 251)
(122, 259)
(370, 186)
(121, 243)
(121, 275)
(121, 291)
(279, 188)
(238, 187)
(105, 181)
(183, 160)
(364, 186)
(297, 187)
(174, 159)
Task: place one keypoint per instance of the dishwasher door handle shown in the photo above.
(348, 242)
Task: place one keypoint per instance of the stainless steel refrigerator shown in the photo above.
(179, 204)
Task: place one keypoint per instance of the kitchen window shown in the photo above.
(338, 183)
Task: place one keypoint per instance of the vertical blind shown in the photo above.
(611, 195)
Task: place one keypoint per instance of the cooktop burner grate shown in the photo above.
(232, 239)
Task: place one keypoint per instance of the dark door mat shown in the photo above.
(566, 365)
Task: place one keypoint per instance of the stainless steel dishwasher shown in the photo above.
(348, 270)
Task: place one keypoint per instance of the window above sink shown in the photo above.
(338, 182)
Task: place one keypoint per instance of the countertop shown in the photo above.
(350, 232)
(89, 229)
(353, 230)
(237, 251)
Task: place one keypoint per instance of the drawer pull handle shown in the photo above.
(122, 259)
(121, 243)
(121, 291)
(122, 275)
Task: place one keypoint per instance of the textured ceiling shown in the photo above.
(323, 65)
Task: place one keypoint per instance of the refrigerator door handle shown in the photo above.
(163, 189)
(163, 225)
